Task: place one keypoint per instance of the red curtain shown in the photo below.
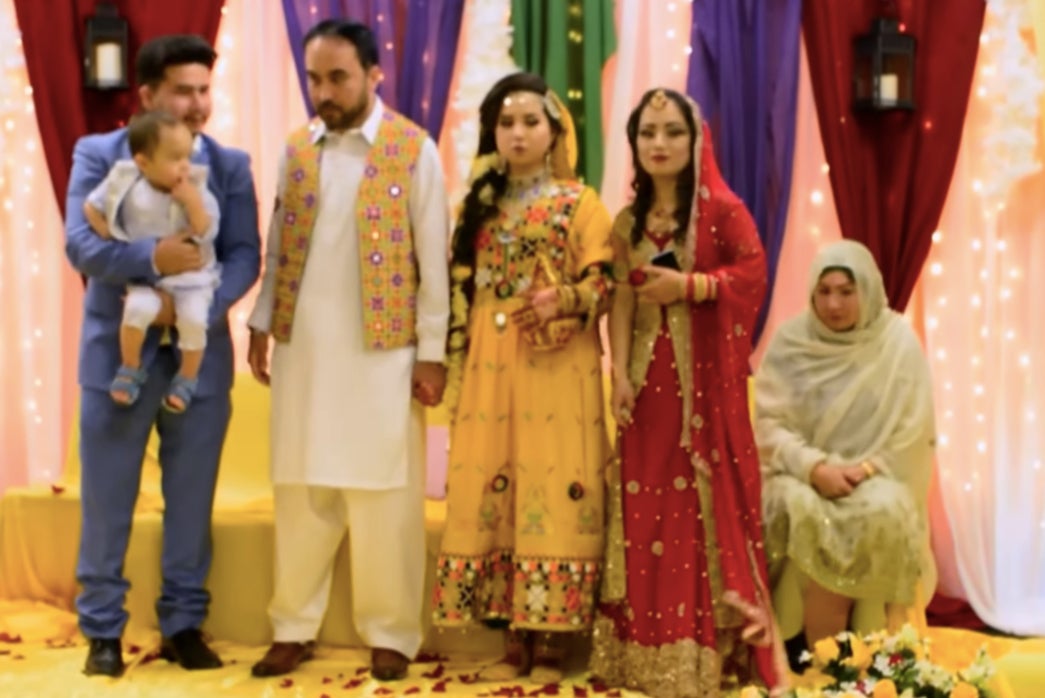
(890, 172)
(53, 38)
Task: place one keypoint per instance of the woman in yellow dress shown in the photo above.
(531, 269)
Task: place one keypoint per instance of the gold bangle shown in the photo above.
(562, 291)
(868, 468)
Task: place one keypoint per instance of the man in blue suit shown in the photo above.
(174, 76)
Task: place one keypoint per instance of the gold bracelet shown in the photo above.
(868, 468)
(569, 299)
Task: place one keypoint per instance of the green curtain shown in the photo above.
(568, 42)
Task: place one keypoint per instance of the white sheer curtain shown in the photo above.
(39, 291)
(257, 102)
(982, 291)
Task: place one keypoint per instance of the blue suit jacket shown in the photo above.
(110, 264)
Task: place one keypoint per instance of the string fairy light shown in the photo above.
(981, 343)
(31, 353)
(1010, 86)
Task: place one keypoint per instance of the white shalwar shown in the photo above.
(347, 439)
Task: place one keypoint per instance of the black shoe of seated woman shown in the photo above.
(794, 647)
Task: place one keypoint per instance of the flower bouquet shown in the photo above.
(880, 665)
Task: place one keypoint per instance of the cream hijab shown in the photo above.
(864, 394)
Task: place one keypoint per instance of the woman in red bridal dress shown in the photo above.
(685, 610)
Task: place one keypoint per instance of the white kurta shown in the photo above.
(347, 440)
(341, 412)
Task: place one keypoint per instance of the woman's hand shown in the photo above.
(831, 482)
(623, 400)
(662, 286)
(540, 307)
(855, 474)
(545, 303)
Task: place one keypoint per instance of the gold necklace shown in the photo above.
(661, 221)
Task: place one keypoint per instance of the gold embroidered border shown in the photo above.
(683, 669)
(615, 571)
(525, 592)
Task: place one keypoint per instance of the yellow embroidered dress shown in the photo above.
(524, 537)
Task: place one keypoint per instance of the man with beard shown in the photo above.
(355, 295)
(173, 73)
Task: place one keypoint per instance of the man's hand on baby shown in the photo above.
(177, 254)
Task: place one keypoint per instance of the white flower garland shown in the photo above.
(1014, 89)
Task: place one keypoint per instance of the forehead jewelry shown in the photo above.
(659, 100)
(516, 98)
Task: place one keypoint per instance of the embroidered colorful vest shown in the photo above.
(387, 265)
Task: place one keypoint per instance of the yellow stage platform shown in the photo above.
(39, 532)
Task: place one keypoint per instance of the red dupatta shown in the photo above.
(724, 244)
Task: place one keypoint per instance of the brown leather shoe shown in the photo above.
(387, 665)
(283, 658)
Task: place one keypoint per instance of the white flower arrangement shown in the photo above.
(880, 665)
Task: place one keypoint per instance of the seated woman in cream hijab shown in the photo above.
(845, 430)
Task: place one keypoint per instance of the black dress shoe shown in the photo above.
(105, 658)
(188, 649)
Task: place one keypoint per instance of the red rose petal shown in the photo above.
(57, 489)
(440, 686)
(133, 649)
(10, 639)
(326, 680)
(579, 692)
(150, 657)
(468, 678)
(426, 658)
(362, 670)
(383, 691)
(17, 657)
(435, 673)
(286, 683)
(411, 690)
(354, 683)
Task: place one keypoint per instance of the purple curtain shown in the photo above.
(428, 60)
(417, 40)
(744, 74)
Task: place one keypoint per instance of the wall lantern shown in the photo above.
(883, 67)
(105, 49)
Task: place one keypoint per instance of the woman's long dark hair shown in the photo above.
(474, 212)
(642, 184)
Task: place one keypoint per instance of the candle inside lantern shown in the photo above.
(888, 88)
(108, 59)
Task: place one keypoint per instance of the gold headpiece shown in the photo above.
(659, 100)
